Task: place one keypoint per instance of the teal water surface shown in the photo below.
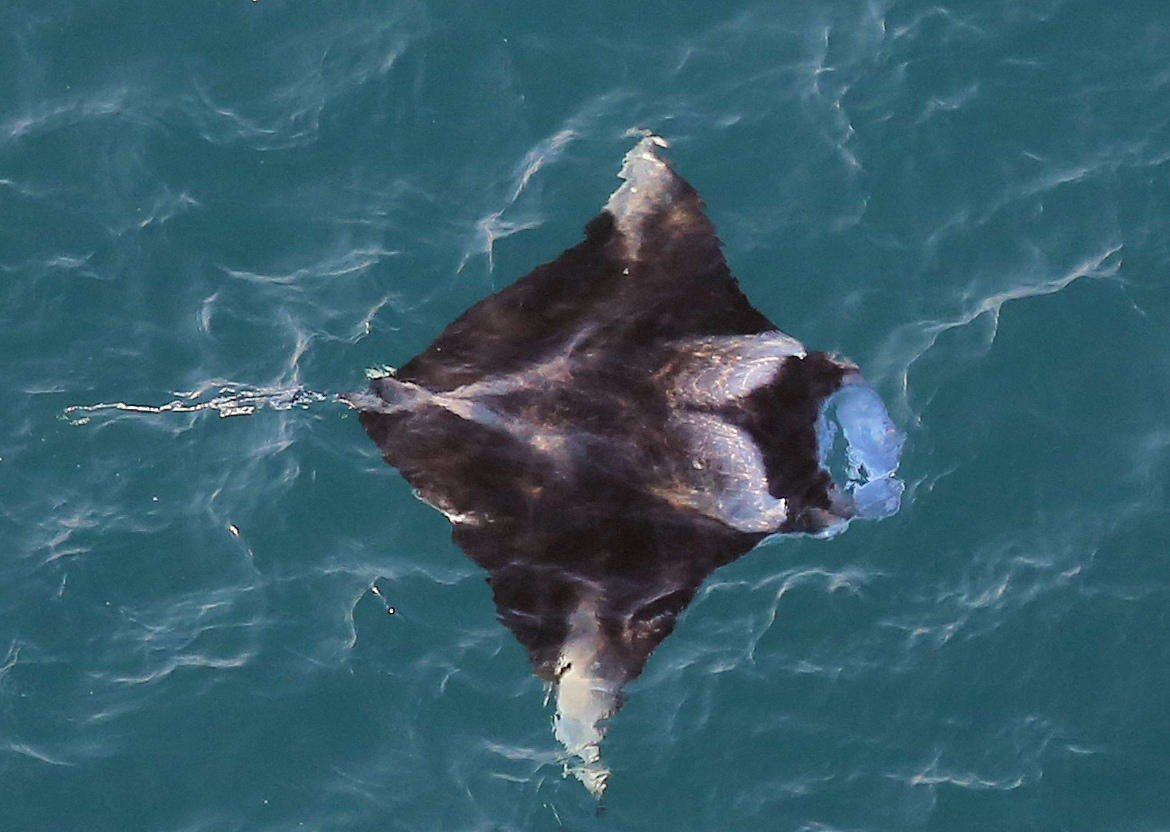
(970, 200)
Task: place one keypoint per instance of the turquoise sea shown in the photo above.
(969, 199)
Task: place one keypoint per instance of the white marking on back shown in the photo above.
(729, 482)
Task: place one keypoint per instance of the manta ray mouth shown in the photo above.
(860, 448)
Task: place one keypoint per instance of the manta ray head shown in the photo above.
(860, 448)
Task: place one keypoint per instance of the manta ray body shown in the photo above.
(613, 427)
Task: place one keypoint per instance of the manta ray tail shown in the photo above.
(230, 400)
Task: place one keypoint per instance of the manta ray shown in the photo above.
(614, 426)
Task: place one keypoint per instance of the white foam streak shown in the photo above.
(37, 754)
(193, 660)
(52, 116)
(909, 343)
(850, 578)
(348, 262)
(492, 226)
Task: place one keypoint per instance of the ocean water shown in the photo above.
(971, 200)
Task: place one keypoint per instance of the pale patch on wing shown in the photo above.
(729, 482)
(718, 370)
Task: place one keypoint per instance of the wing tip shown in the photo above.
(644, 159)
(651, 184)
(647, 137)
